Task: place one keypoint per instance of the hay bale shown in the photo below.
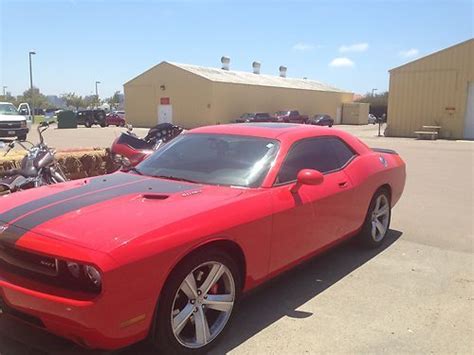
(75, 164)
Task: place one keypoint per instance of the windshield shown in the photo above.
(213, 159)
(281, 113)
(8, 109)
(247, 115)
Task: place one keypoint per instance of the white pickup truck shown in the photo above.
(15, 122)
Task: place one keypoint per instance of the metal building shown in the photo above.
(192, 96)
(436, 90)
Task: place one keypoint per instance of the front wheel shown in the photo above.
(88, 124)
(377, 221)
(197, 303)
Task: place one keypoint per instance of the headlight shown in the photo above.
(23, 124)
(74, 269)
(78, 276)
(94, 275)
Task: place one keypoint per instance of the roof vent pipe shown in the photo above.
(283, 71)
(225, 62)
(256, 67)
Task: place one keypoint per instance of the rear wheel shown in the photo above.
(377, 221)
(88, 124)
(197, 303)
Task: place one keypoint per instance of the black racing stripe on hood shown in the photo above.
(15, 232)
(94, 184)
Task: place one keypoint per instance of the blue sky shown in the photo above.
(350, 44)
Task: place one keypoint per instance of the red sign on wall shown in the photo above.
(164, 101)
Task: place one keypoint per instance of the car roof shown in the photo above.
(263, 129)
(288, 132)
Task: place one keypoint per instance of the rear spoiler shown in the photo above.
(382, 150)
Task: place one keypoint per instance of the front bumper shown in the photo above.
(13, 132)
(93, 322)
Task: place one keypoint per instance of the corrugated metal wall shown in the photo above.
(197, 101)
(431, 91)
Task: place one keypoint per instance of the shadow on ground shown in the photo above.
(287, 292)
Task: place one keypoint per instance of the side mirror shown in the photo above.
(307, 177)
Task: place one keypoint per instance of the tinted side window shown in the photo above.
(342, 151)
(323, 154)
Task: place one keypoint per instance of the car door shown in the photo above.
(314, 216)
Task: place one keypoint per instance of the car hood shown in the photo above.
(105, 212)
(12, 118)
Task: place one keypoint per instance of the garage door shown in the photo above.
(469, 119)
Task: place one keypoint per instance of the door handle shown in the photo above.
(343, 184)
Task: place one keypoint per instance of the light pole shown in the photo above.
(96, 90)
(4, 90)
(31, 87)
(373, 91)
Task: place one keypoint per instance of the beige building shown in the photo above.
(193, 96)
(436, 90)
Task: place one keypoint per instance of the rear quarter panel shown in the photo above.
(368, 173)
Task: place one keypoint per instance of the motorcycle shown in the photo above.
(128, 149)
(39, 167)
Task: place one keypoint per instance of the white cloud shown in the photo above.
(409, 53)
(356, 47)
(303, 47)
(341, 62)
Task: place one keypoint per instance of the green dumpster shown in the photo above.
(67, 119)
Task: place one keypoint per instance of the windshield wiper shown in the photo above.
(175, 178)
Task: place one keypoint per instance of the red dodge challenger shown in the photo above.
(166, 249)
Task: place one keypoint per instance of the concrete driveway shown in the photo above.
(416, 295)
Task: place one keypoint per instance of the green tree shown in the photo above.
(9, 98)
(73, 100)
(91, 101)
(378, 103)
(114, 100)
(41, 100)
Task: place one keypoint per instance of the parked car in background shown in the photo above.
(255, 117)
(89, 118)
(120, 113)
(114, 119)
(14, 122)
(290, 116)
(166, 249)
(321, 120)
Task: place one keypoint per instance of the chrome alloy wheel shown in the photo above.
(202, 305)
(380, 218)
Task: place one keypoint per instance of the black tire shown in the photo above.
(88, 124)
(330, 125)
(366, 234)
(103, 125)
(162, 334)
(22, 138)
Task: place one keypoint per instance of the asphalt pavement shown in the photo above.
(415, 295)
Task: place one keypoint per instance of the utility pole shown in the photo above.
(31, 87)
(373, 91)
